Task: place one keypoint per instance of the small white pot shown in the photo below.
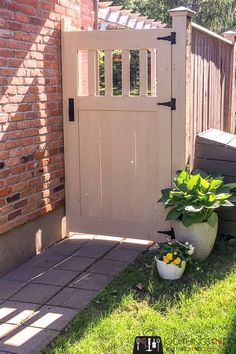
(170, 271)
(201, 235)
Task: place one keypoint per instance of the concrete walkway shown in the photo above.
(39, 298)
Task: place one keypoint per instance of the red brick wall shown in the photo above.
(31, 135)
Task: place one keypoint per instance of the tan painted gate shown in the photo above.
(117, 148)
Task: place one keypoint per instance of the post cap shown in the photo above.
(230, 35)
(182, 11)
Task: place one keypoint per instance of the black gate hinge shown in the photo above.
(170, 233)
(171, 104)
(171, 38)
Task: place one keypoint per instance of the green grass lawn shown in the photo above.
(196, 314)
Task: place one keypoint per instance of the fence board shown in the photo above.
(118, 39)
(153, 72)
(143, 72)
(108, 73)
(92, 69)
(211, 81)
(125, 72)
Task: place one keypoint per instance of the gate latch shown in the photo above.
(171, 38)
(171, 104)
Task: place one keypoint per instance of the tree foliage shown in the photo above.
(216, 15)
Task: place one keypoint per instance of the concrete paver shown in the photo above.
(52, 317)
(43, 260)
(9, 288)
(27, 340)
(93, 250)
(68, 246)
(58, 277)
(131, 243)
(78, 264)
(6, 328)
(91, 281)
(24, 273)
(36, 293)
(122, 254)
(73, 298)
(16, 312)
(108, 267)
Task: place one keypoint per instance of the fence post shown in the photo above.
(231, 36)
(181, 87)
(70, 121)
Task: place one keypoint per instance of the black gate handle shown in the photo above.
(71, 110)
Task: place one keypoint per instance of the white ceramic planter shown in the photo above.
(169, 271)
(202, 236)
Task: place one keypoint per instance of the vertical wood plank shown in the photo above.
(97, 73)
(153, 72)
(108, 73)
(90, 164)
(164, 72)
(123, 164)
(143, 69)
(92, 72)
(125, 72)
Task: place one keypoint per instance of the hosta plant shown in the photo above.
(195, 197)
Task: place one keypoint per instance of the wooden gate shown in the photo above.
(117, 148)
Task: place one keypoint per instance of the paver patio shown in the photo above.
(39, 298)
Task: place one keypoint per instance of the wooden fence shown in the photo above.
(213, 81)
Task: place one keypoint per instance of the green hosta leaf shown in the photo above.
(211, 198)
(204, 183)
(215, 183)
(173, 202)
(223, 196)
(212, 220)
(188, 197)
(190, 219)
(216, 205)
(183, 174)
(193, 209)
(173, 214)
(230, 185)
(193, 182)
(165, 195)
(227, 203)
(181, 184)
(176, 194)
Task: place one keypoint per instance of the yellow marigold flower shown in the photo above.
(169, 256)
(165, 259)
(177, 261)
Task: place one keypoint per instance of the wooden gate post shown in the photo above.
(70, 123)
(181, 87)
(231, 36)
